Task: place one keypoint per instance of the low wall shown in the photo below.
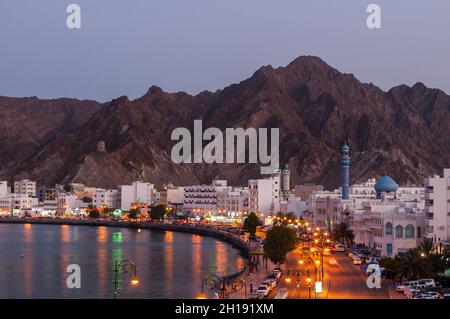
(194, 229)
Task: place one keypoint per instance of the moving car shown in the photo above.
(357, 261)
(340, 248)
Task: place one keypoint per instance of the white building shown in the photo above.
(25, 187)
(232, 201)
(388, 227)
(18, 204)
(264, 195)
(106, 197)
(202, 199)
(437, 208)
(138, 191)
(385, 218)
(3, 189)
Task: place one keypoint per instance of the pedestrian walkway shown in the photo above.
(253, 280)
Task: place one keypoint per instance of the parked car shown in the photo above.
(263, 291)
(401, 287)
(428, 283)
(446, 296)
(270, 283)
(423, 296)
(277, 274)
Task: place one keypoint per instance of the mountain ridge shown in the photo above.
(315, 106)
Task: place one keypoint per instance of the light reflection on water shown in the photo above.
(169, 264)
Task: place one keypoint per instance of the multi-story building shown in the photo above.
(437, 208)
(25, 187)
(172, 196)
(264, 195)
(232, 201)
(106, 198)
(137, 192)
(388, 227)
(304, 191)
(3, 189)
(202, 199)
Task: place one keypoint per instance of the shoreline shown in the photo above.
(235, 242)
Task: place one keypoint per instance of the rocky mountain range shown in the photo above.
(404, 132)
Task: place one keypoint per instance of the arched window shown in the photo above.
(388, 229)
(398, 231)
(419, 232)
(409, 231)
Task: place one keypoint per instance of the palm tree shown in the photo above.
(411, 264)
(343, 233)
(427, 247)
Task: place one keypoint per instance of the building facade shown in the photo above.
(437, 208)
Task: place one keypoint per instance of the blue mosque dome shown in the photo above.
(345, 147)
(385, 184)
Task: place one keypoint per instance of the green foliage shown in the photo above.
(94, 213)
(421, 262)
(86, 199)
(134, 213)
(279, 241)
(388, 263)
(158, 212)
(342, 233)
(251, 223)
(427, 246)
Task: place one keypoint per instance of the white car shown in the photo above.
(263, 291)
(277, 273)
(434, 294)
(270, 283)
(357, 261)
(423, 296)
(340, 248)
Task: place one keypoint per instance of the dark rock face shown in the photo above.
(404, 133)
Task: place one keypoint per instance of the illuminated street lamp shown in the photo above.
(122, 268)
(308, 280)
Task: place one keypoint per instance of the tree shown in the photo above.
(343, 233)
(94, 213)
(251, 223)
(86, 199)
(134, 213)
(411, 264)
(427, 247)
(388, 263)
(279, 241)
(158, 212)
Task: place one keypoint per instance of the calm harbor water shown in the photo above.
(33, 261)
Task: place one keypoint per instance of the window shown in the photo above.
(388, 229)
(409, 231)
(419, 232)
(399, 232)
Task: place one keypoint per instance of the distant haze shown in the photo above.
(124, 47)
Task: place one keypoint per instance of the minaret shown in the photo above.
(285, 184)
(345, 164)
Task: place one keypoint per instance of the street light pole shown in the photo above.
(122, 268)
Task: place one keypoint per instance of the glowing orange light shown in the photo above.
(135, 281)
